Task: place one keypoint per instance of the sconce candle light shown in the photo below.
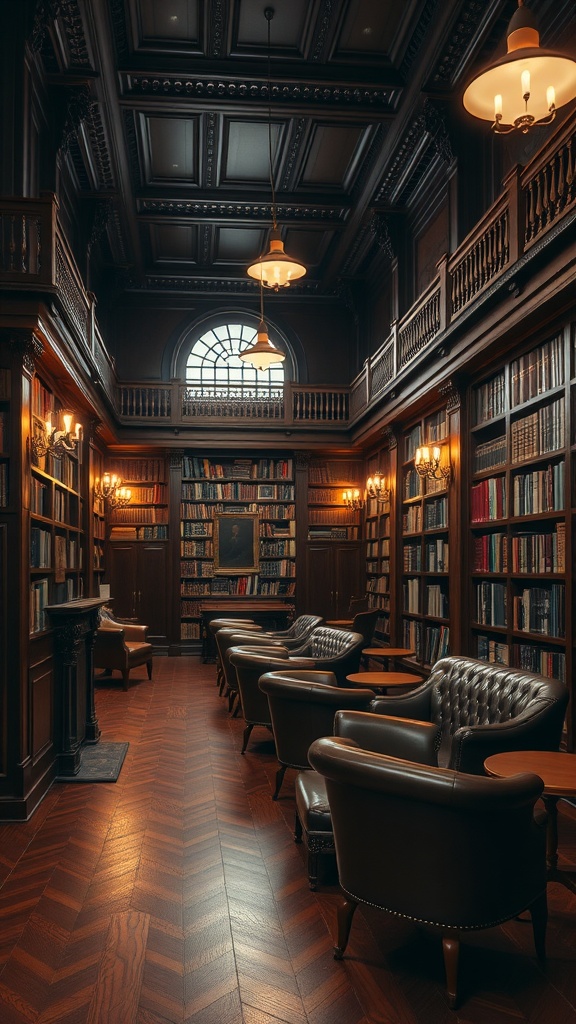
(428, 463)
(51, 441)
(352, 499)
(111, 490)
(376, 487)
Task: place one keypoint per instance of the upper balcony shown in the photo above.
(537, 206)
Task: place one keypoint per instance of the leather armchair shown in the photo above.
(326, 649)
(313, 823)
(433, 845)
(302, 706)
(122, 646)
(481, 709)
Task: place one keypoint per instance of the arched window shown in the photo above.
(214, 367)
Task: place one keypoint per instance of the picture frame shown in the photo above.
(236, 543)
(265, 491)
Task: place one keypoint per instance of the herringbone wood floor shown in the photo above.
(178, 895)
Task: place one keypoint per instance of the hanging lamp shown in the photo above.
(263, 354)
(524, 88)
(276, 269)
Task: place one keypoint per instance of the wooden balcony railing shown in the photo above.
(35, 256)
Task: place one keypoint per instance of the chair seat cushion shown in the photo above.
(139, 651)
(312, 804)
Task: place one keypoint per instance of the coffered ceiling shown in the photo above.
(169, 144)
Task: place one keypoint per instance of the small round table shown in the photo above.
(383, 680)
(387, 654)
(558, 773)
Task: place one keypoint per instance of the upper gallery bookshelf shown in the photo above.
(424, 559)
(260, 491)
(56, 517)
(519, 511)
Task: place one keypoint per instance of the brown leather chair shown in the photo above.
(481, 709)
(313, 823)
(326, 649)
(123, 647)
(302, 707)
(443, 848)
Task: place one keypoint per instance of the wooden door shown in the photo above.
(348, 569)
(152, 589)
(333, 577)
(123, 569)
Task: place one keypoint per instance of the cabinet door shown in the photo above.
(333, 577)
(152, 589)
(348, 577)
(123, 567)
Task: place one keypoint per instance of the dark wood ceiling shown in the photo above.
(171, 145)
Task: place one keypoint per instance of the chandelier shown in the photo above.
(276, 269)
(111, 490)
(49, 440)
(526, 86)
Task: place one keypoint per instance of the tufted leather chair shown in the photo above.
(302, 707)
(481, 709)
(336, 650)
(233, 636)
(456, 852)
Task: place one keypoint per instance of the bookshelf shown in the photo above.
(378, 538)
(334, 569)
(5, 390)
(137, 558)
(254, 494)
(328, 516)
(520, 511)
(424, 545)
(97, 528)
(56, 542)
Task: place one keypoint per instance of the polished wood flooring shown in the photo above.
(178, 895)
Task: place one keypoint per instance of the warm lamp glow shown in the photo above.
(263, 354)
(428, 463)
(110, 489)
(376, 487)
(48, 440)
(526, 86)
(352, 499)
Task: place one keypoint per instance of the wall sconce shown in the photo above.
(352, 499)
(48, 440)
(111, 490)
(376, 487)
(428, 463)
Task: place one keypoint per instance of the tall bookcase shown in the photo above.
(56, 519)
(97, 528)
(521, 498)
(334, 569)
(259, 491)
(378, 535)
(424, 545)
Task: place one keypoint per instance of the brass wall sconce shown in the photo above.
(352, 499)
(49, 440)
(376, 487)
(111, 490)
(429, 464)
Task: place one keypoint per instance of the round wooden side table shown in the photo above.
(383, 680)
(558, 773)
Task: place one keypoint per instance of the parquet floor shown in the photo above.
(178, 895)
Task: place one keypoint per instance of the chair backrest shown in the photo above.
(466, 692)
(434, 845)
(302, 626)
(365, 623)
(339, 650)
(302, 708)
(357, 604)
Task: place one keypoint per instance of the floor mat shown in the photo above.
(99, 762)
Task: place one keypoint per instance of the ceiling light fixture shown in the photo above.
(276, 269)
(263, 354)
(526, 86)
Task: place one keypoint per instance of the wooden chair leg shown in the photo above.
(297, 830)
(246, 737)
(344, 915)
(125, 676)
(539, 915)
(451, 950)
(279, 780)
(149, 668)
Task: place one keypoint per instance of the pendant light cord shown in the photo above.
(269, 14)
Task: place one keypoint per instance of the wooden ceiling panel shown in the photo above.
(288, 28)
(173, 243)
(308, 245)
(172, 152)
(369, 28)
(239, 245)
(333, 156)
(245, 155)
(165, 23)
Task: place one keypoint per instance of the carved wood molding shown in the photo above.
(240, 210)
(26, 344)
(450, 393)
(431, 121)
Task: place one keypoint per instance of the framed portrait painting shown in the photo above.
(236, 542)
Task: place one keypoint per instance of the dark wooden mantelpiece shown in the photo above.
(75, 624)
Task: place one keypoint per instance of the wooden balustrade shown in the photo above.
(34, 255)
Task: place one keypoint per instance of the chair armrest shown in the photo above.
(472, 744)
(415, 704)
(397, 737)
(135, 632)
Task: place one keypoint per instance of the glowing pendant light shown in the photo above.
(526, 86)
(263, 354)
(276, 269)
